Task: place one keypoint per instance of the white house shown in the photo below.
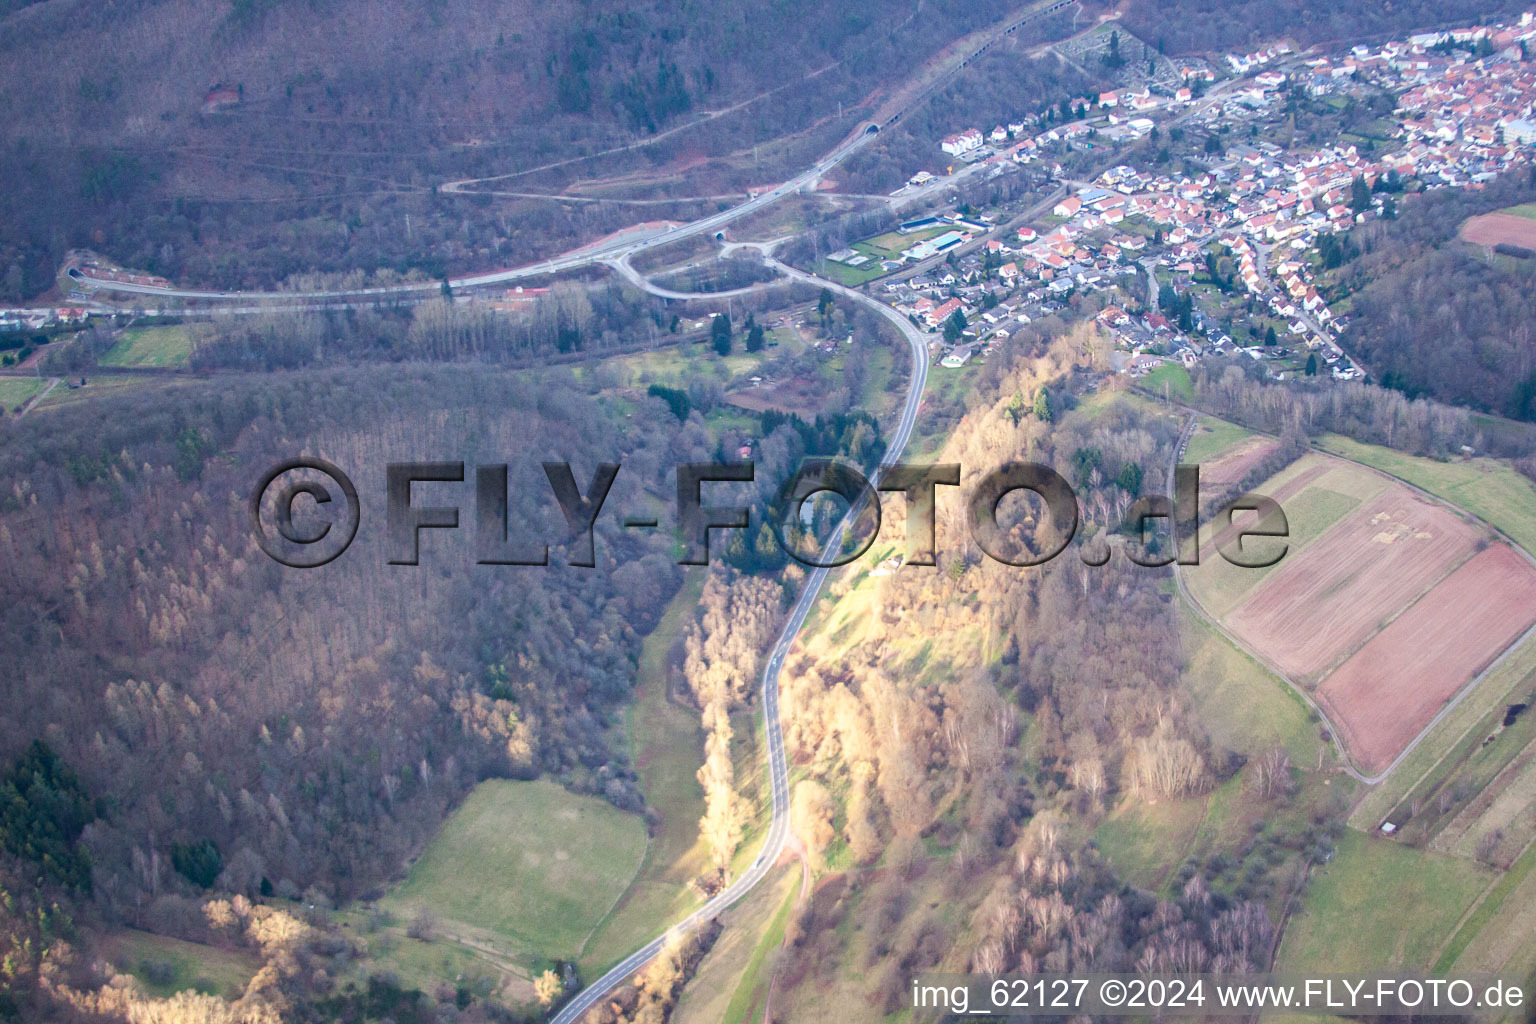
(962, 142)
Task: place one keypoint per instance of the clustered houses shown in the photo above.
(1242, 65)
(37, 319)
(1123, 123)
(1464, 116)
(962, 142)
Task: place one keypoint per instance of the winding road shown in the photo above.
(778, 767)
(603, 252)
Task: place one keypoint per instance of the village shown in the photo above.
(1224, 262)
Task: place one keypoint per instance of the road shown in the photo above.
(36, 400)
(1261, 264)
(603, 252)
(778, 767)
(625, 270)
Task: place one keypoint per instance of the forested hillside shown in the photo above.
(962, 731)
(337, 122)
(265, 730)
(1192, 26)
(1437, 317)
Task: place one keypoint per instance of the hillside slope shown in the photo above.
(335, 121)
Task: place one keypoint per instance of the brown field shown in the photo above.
(1318, 608)
(1496, 228)
(1237, 462)
(788, 397)
(1389, 690)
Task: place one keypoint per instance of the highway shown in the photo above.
(627, 271)
(778, 767)
(603, 252)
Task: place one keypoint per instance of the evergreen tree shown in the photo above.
(954, 327)
(720, 334)
(1359, 194)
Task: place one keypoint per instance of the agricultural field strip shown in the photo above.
(1488, 904)
(1314, 612)
(1214, 622)
(1495, 588)
(1450, 708)
(1238, 461)
(1499, 805)
(1214, 440)
(1506, 681)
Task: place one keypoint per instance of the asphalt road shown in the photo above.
(778, 768)
(600, 253)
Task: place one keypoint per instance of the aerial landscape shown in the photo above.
(645, 513)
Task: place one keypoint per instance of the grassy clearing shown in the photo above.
(1244, 847)
(1146, 842)
(1244, 707)
(787, 337)
(1501, 817)
(667, 748)
(946, 389)
(1378, 905)
(105, 384)
(1172, 380)
(1523, 210)
(892, 243)
(1211, 438)
(849, 277)
(750, 988)
(1485, 487)
(165, 966)
(169, 346)
(1491, 908)
(674, 364)
(483, 968)
(1496, 937)
(16, 392)
(527, 860)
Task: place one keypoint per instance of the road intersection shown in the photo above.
(778, 767)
